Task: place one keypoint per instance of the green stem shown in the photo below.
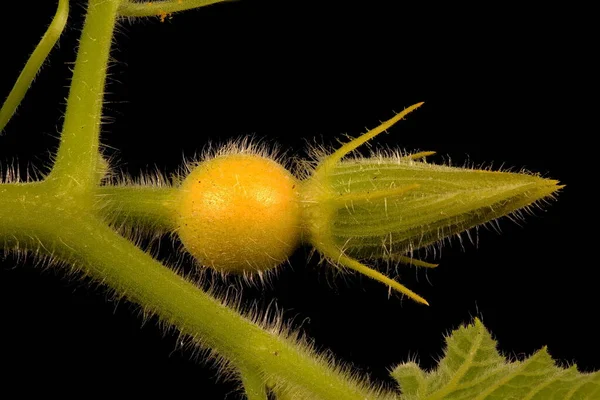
(254, 384)
(149, 208)
(34, 63)
(160, 8)
(16, 201)
(116, 262)
(77, 158)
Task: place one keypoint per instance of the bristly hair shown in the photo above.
(242, 145)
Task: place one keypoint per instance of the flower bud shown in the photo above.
(388, 206)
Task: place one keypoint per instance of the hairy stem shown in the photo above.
(254, 384)
(127, 269)
(77, 158)
(160, 8)
(34, 63)
(151, 208)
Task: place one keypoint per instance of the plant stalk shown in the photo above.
(77, 157)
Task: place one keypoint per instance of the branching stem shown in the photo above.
(77, 158)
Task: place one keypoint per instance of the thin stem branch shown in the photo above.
(254, 384)
(77, 158)
(161, 8)
(34, 63)
(150, 208)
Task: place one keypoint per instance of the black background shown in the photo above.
(506, 86)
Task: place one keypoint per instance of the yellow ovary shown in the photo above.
(240, 212)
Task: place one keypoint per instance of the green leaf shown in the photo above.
(473, 369)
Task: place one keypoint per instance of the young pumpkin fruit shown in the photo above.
(240, 212)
